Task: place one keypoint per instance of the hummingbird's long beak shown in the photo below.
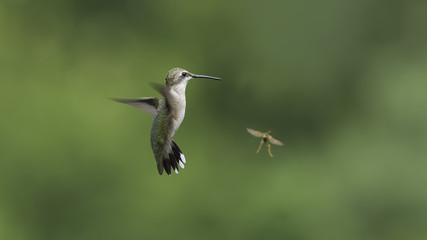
(204, 76)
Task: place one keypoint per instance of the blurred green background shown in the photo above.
(341, 83)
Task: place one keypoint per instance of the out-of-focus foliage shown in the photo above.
(341, 83)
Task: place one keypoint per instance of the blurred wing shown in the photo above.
(274, 141)
(148, 105)
(255, 132)
(160, 88)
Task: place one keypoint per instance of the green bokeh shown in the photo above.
(341, 83)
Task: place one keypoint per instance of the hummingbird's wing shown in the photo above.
(162, 89)
(148, 105)
(255, 132)
(274, 141)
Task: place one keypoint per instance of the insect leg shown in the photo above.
(260, 145)
(269, 150)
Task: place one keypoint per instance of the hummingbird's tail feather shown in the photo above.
(178, 154)
(175, 158)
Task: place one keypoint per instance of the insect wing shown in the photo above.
(255, 132)
(274, 141)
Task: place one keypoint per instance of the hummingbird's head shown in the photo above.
(178, 75)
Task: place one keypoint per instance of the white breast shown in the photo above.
(177, 104)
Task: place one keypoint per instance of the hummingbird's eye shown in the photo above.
(184, 74)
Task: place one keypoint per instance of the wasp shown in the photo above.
(266, 138)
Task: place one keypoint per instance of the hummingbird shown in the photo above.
(266, 138)
(168, 113)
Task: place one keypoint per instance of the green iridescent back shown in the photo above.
(158, 129)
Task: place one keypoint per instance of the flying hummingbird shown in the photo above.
(168, 112)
